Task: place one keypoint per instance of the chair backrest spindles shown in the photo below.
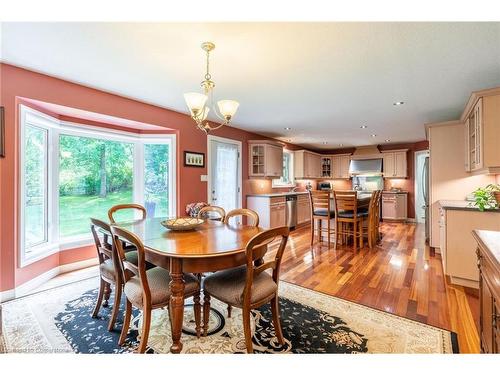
(104, 250)
(346, 201)
(320, 200)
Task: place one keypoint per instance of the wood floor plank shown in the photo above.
(401, 275)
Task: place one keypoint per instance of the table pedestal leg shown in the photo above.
(176, 304)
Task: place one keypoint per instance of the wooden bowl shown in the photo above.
(182, 223)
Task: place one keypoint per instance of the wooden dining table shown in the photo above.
(210, 247)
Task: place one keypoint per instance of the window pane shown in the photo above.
(94, 175)
(35, 177)
(156, 179)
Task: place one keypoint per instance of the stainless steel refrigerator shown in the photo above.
(425, 192)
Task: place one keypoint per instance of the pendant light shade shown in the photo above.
(228, 108)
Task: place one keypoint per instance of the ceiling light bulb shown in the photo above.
(387, 140)
(341, 144)
(363, 126)
(374, 135)
(325, 143)
(398, 103)
(287, 128)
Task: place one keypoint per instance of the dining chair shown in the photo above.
(148, 289)
(250, 286)
(128, 206)
(203, 213)
(371, 227)
(346, 214)
(109, 269)
(251, 216)
(321, 210)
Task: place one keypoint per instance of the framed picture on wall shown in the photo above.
(2, 132)
(194, 159)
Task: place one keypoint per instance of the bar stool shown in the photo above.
(321, 209)
(346, 212)
(372, 222)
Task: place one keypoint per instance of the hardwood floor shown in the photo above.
(400, 276)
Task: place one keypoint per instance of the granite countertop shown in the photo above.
(462, 205)
(490, 240)
(284, 194)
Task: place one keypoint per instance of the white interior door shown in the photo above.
(224, 168)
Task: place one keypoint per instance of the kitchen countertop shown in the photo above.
(271, 195)
(461, 205)
(490, 240)
(394, 192)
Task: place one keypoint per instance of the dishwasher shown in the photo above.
(291, 211)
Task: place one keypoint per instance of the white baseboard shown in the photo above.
(78, 265)
(7, 295)
(37, 281)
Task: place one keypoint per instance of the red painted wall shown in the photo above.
(16, 83)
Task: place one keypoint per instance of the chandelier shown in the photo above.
(197, 102)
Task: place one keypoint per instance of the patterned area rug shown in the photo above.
(59, 320)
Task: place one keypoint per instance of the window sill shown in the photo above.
(47, 250)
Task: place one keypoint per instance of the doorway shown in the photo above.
(224, 173)
(421, 185)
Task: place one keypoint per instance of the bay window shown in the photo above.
(70, 173)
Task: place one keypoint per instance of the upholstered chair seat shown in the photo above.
(228, 286)
(107, 269)
(324, 212)
(350, 214)
(158, 280)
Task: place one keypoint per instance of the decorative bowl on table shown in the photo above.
(182, 223)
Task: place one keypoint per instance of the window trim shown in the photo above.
(55, 128)
(276, 182)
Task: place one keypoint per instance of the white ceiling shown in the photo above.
(324, 80)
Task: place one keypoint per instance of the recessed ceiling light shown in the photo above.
(398, 103)
(287, 128)
(363, 127)
(387, 140)
(288, 140)
(341, 144)
(373, 135)
(325, 143)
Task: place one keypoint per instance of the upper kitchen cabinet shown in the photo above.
(340, 166)
(482, 132)
(265, 159)
(307, 164)
(395, 164)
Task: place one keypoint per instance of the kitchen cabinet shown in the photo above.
(395, 164)
(488, 263)
(457, 244)
(394, 206)
(265, 159)
(271, 210)
(326, 167)
(340, 166)
(481, 119)
(307, 164)
(303, 209)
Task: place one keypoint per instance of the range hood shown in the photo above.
(371, 167)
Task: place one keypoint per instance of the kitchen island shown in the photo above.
(457, 220)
